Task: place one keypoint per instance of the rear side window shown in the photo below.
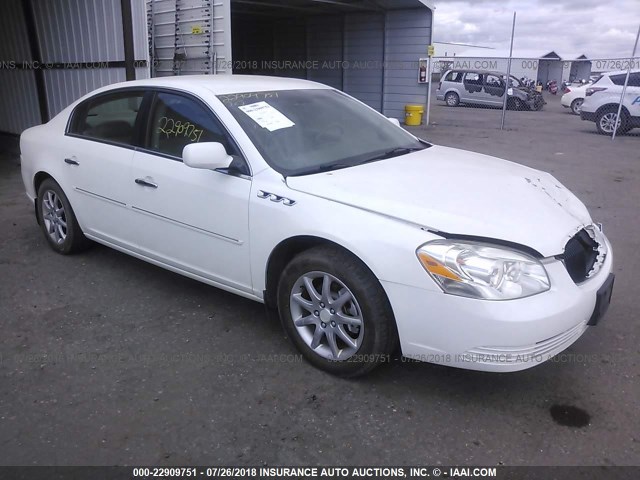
(454, 77)
(110, 117)
(634, 79)
(618, 79)
(177, 121)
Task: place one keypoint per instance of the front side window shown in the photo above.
(300, 132)
(493, 81)
(177, 121)
(110, 117)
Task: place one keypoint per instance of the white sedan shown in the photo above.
(574, 97)
(363, 237)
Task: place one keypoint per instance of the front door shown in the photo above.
(494, 88)
(192, 219)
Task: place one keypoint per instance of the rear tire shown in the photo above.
(452, 99)
(57, 220)
(576, 106)
(335, 312)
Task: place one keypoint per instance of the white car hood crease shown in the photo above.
(459, 192)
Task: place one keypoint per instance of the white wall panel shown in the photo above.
(79, 30)
(66, 86)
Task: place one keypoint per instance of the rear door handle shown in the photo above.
(144, 183)
(71, 161)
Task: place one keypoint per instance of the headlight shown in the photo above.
(482, 271)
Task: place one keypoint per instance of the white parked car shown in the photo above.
(362, 236)
(574, 97)
(603, 99)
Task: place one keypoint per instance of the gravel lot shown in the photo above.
(105, 359)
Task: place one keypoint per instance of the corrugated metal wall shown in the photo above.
(382, 53)
(18, 101)
(324, 44)
(407, 34)
(69, 33)
(18, 96)
(290, 43)
(364, 53)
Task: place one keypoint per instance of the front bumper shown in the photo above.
(589, 116)
(497, 336)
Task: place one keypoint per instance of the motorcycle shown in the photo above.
(552, 87)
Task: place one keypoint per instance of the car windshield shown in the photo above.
(300, 132)
(513, 81)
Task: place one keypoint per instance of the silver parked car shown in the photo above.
(478, 87)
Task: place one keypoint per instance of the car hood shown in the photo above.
(459, 192)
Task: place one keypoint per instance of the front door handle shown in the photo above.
(71, 161)
(144, 183)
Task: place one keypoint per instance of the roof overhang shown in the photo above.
(323, 7)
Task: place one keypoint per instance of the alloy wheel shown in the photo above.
(609, 121)
(577, 106)
(54, 217)
(326, 315)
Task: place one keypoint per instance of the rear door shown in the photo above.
(192, 219)
(632, 97)
(99, 149)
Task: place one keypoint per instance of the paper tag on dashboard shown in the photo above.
(266, 116)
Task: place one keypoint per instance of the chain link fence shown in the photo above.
(515, 93)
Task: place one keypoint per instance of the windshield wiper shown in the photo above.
(396, 152)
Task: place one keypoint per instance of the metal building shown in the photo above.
(367, 48)
(54, 51)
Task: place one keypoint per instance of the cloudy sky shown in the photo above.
(598, 28)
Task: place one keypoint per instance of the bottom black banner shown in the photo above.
(338, 473)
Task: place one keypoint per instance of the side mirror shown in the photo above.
(395, 121)
(207, 155)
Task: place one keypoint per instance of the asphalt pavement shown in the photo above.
(105, 359)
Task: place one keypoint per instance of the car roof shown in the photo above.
(473, 70)
(620, 72)
(223, 84)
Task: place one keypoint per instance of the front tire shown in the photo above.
(607, 120)
(518, 105)
(336, 312)
(57, 220)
